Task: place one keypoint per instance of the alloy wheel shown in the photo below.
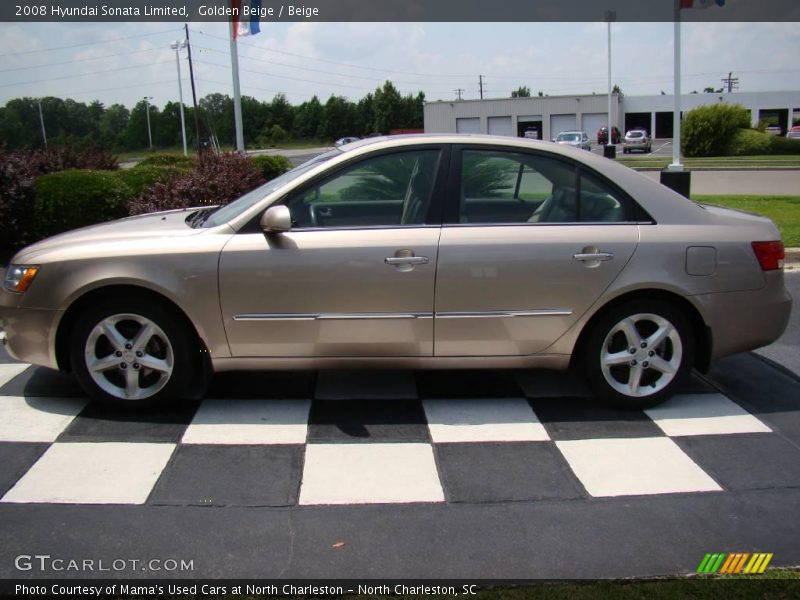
(641, 355)
(129, 356)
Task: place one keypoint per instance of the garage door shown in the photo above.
(469, 125)
(500, 126)
(592, 122)
(559, 123)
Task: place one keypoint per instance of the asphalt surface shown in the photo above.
(549, 497)
(786, 350)
(757, 183)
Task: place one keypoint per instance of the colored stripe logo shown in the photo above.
(722, 563)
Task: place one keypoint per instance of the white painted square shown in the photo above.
(249, 422)
(634, 466)
(704, 414)
(36, 419)
(9, 371)
(86, 473)
(489, 420)
(370, 474)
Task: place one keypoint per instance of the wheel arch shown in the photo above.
(702, 333)
(69, 319)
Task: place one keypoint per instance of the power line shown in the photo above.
(334, 62)
(83, 74)
(266, 74)
(298, 67)
(121, 87)
(117, 39)
(67, 62)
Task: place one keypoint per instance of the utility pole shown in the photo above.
(611, 16)
(147, 110)
(41, 122)
(177, 46)
(731, 82)
(194, 93)
(458, 92)
(480, 83)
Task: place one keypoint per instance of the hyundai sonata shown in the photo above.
(417, 251)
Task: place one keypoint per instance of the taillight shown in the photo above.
(770, 255)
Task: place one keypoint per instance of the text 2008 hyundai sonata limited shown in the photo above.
(415, 252)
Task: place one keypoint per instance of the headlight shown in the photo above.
(19, 277)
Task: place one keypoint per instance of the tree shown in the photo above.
(308, 119)
(616, 90)
(388, 108)
(339, 118)
(113, 125)
(522, 91)
(281, 112)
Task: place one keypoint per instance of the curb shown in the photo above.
(792, 260)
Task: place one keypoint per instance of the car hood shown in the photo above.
(150, 226)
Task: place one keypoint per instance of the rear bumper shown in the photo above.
(29, 334)
(742, 321)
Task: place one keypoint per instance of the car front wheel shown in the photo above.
(131, 355)
(639, 353)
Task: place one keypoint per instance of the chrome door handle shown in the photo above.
(406, 260)
(584, 256)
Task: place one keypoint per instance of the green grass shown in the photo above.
(637, 161)
(783, 210)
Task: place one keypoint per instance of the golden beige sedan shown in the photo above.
(430, 251)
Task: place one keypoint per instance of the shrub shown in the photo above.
(708, 130)
(71, 155)
(142, 177)
(218, 179)
(70, 199)
(16, 199)
(169, 160)
(271, 166)
(782, 145)
(749, 142)
(273, 136)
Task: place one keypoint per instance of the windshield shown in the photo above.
(635, 134)
(223, 214)
(568, 137)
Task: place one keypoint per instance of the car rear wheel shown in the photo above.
(129, 355)
(639, 353)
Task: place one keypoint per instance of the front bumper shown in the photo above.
(29, 333)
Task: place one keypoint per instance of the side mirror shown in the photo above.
(276, 219)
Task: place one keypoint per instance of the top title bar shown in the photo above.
(401, 10)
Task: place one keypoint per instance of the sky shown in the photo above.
(122, 62)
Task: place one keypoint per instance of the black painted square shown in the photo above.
(498, 472)
(367, 421)
(588, 418)
(15, 460)
(488, 383)
(218, 475)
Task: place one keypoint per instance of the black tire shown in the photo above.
(169, 343)
(615, 384)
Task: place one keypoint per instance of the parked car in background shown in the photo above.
(415, 251)
(346, 140)
(793, 132)
(637, 139)
(774, 130)
(531, 133)
(576, 139)
(602, 135)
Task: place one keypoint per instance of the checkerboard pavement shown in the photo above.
(353, 438)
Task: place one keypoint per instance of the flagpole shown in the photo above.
(237, 94)
(676, 115)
